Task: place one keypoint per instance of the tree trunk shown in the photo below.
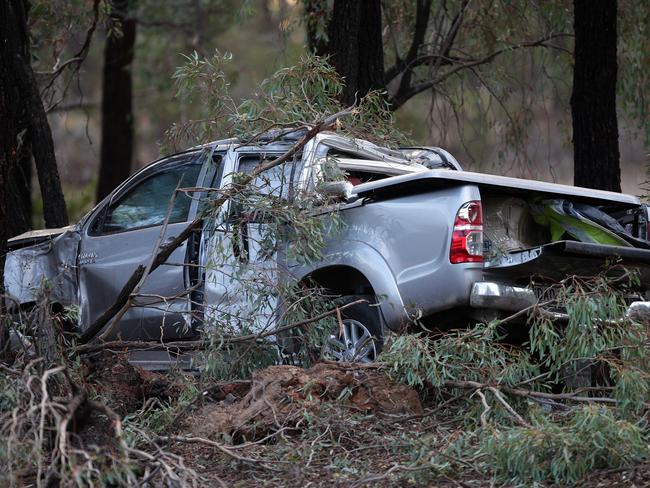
(355, 45)
(23, 124)
(55, 212)
(117, 110)
(315, 16)
(20, 193)
(12, 113)
(593, 101)
(25, 127)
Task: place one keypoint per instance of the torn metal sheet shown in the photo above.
(52, 261)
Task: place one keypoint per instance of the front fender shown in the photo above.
(53, 261)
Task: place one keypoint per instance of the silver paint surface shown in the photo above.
(396, 233)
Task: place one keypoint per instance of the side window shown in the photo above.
(280, 181)
(147, 203)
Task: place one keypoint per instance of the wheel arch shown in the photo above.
(340, 280)
(348, 279)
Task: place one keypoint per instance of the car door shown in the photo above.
(241, 277)
(123, 234)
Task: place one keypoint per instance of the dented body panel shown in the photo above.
(52, 261)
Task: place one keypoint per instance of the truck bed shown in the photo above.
(559, 259)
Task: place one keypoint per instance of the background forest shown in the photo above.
(508, 113)
(552, 90)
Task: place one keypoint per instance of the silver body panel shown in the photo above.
(402, 247)
(437, 177)
(396, 233)
(52, 261)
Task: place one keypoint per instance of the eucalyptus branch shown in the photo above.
(194, 345)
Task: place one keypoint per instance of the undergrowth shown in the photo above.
(593, 437)
(527, 420)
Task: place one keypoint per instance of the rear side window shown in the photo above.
(147, 203)
(280, 181)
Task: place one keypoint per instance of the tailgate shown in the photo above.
(558, 260)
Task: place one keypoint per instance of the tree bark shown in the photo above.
(315, 15)
(593, 101)
(117, 104)
(26, 116)
(23, 126)
(356, 47)
(20, 193)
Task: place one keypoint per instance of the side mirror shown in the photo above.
(336, 190)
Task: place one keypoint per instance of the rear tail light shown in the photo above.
(467, 238)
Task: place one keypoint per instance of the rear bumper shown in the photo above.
(495, 296)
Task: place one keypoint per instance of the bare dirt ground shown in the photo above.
(330, 425)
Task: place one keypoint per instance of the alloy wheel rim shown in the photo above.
(352, 343)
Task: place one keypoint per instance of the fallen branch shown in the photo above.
(529, 393)
(221, 447)
(193, 345)
(486, 408)
(520, 420)
(475, 385)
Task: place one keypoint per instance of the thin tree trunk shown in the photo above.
(593, 101)
(117, 109)
(356, 47)
(315, 15)
(55, 212)
(20, 193)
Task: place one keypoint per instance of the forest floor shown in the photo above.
(330, 425)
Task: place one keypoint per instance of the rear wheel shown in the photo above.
(359, 337)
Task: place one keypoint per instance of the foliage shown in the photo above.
(465, 355)
(593, 438)
(596, 330)
(582, 327)
(292, 97)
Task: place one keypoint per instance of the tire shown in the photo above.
(361, 337)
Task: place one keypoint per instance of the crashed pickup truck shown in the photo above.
(420, 237)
